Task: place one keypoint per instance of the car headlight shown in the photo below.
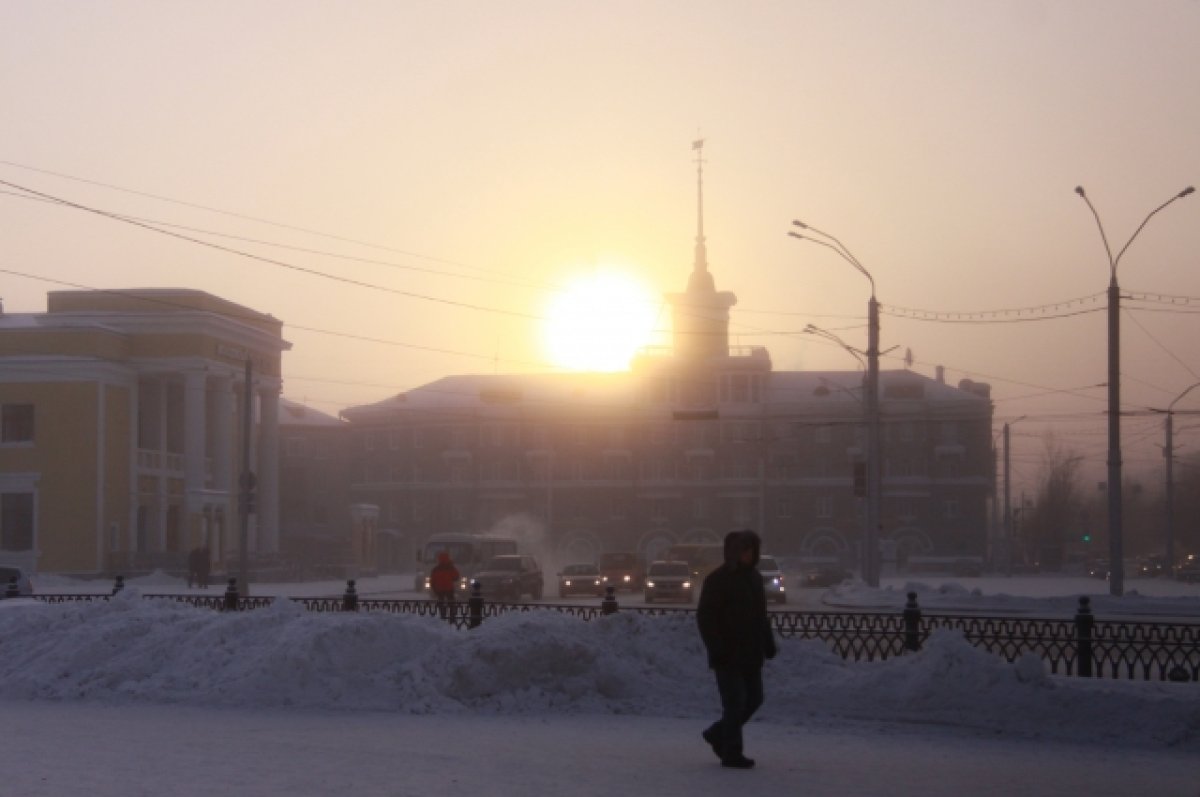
(627, 578)
(649, 583)
(777, 581)
(687, 585)
(426, 582)
(596, 583)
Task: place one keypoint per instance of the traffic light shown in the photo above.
(1087, 536)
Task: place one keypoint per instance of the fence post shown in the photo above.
(12, 590)
(609, 604)
(350, 598)
(231, 596)
(118, 585)
(912, 623)
(1084, 625)
(475, 606)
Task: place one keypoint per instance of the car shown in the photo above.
(510, 576)
(824, 576)
(10, 574)
(667, 580)
(772, 577)
(580, 579)
(1188, 569)
(621, 570)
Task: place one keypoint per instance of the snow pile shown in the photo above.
(160, 651)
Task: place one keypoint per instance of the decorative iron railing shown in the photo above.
(1081, 646)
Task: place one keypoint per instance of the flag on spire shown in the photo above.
(698, 143)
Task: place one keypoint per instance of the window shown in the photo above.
(824, 506)
(950, 509)
(17, 423)
(295, 447)
(783, 507)
(16, 521)
(904, 432)
(823, 433)
(948, 432)
(699, 508)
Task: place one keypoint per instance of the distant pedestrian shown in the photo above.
(443, 581)
(193, 567)
(737, 635)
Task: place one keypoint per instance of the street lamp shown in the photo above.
(1169, 453)
(1010, 541)
(874, 462)
(1116, 564)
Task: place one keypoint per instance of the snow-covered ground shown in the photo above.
(134, 696)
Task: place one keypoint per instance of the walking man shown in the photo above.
(737, 635)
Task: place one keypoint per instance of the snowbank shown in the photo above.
(158, 651)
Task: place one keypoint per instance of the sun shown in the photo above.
(599, 321)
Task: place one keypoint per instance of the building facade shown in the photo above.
(123, 429)
(693, 441)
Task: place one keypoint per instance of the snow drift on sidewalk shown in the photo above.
(159, 651)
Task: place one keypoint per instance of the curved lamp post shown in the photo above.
(1116, 563)
(874, 462)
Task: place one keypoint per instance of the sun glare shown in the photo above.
(598, 322)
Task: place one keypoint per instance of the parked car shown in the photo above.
(824, 576)
(772, 577)
(10, 572)
(510, 576)
(621, 570)
(580, 579)
(1188, 569)
(669, 581)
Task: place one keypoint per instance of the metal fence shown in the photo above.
(1081, 645)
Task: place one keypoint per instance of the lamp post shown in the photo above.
(1010, 541)
(1169, 453)
(1116, 564)
(874, 463)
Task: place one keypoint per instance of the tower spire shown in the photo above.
(700, 264)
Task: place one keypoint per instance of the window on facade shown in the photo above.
(824, 506)
(823, 433)
(905, 432)
(16, 521)
(950, 509)
(295, 447)
(744, 511)
(699, 508)
(783, 507)
(368, 441)
(948, 432)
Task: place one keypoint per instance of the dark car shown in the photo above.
(772, 578)
(581, 579)
(621, 570)
(1188, 569)
(669, 581)
(9, 574)
(509, 577)
(824, 576)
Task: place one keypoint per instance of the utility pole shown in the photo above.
(1169, 453)
(1010, 541)
(1116, 561)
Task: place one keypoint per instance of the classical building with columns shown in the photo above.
(123, 429)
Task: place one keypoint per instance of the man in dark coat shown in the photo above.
(736, 631)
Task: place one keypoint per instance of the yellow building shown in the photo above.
(121, 434)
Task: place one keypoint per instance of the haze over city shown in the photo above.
(453, 170)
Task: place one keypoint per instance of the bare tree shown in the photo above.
(1057, 512)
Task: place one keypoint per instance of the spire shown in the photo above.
(700, 279)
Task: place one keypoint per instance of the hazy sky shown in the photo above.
(487, 153)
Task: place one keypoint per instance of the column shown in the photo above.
(194, 398)
(268, 470)
(223, 433)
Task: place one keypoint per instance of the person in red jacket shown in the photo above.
(443, 581)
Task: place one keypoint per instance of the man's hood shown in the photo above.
(738, 541)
